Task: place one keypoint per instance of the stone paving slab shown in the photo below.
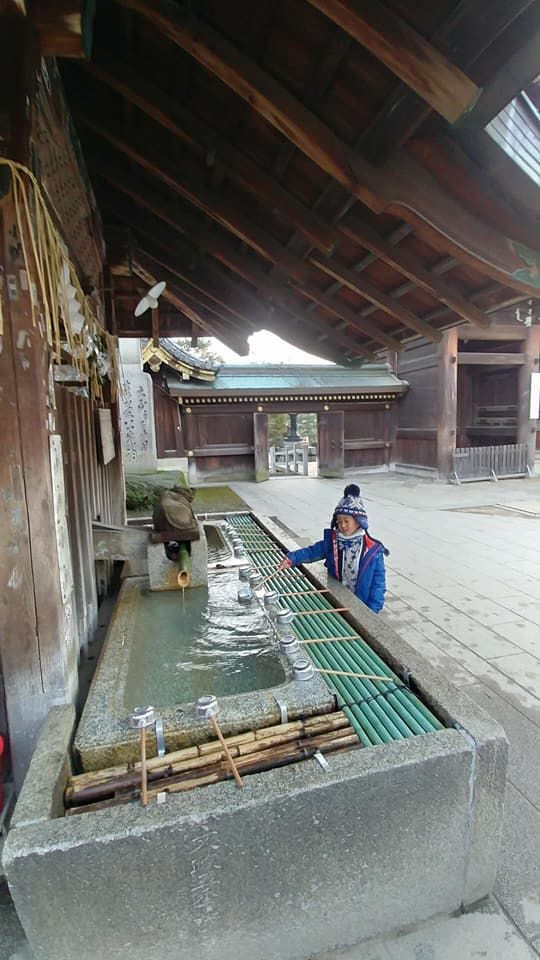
(526, 608)
(524, 669)
(523, 757)
(518, 882)
(523, 634)
(486, 933)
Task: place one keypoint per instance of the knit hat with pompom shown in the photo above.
(351, 505)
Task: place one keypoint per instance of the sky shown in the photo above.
(266, 347)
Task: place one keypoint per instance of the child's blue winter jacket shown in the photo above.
(371, 582)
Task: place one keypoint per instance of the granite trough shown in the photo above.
(303, 860)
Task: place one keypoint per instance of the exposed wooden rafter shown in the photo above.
(189, 306)
(403, 187)
(278, 322)
(208, 278)
(191, 187)
(412, 267)
(511, 78)
(186, 126)
(222, 248)
(406, 53)
(178, 256)
(64, 27)
(468, 31)
(183, 124)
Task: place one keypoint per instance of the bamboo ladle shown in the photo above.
(208, 708)
(141, 718)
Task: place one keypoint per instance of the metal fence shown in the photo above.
(291, 458)
(490, 463)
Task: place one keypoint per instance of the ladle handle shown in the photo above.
(144, 774)
(361, 676)
(219, 735)
(269, 577)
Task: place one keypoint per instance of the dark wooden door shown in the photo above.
(169, 438)
(330, 427)
(260, 445)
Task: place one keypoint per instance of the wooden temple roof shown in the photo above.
(318, 168)
(173, 356)
(280, 379)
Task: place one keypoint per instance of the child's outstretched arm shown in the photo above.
(305, 555)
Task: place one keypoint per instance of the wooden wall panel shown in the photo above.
(416, 437)
(219, 446)
(497, 388)
(465, 407)
(331, 443)
(169, 436)
(94, 492)
(367, 437)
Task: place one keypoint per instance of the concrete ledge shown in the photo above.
(302, 860)
(42, 795)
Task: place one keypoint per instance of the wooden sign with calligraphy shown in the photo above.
(105, 432)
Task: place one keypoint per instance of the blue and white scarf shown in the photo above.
(351, 549)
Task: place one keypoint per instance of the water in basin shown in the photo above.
(204, 643)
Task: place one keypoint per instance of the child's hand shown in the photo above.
(285, 563)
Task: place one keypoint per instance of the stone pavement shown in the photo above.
(464, 589)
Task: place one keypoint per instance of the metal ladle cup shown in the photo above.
(289, 645)
(303, 670)
(245, 594)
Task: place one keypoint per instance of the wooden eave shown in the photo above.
(154, 355)
(372, 394)
(294, 167)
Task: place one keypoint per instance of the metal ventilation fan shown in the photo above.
(150, 301)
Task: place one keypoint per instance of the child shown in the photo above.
(348, 551)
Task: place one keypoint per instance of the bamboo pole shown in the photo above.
(221, 738)
(269, 577)
(89, 787)
(258, 762)
(308, 726)
(215, 769)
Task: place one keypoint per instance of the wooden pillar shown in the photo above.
(260, 446)
(526, 432)
(331, 443)
(447, 402)
(38, 668)
(33, 628)
(464, 404)
(190, 434)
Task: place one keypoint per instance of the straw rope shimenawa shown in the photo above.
(45, 259)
